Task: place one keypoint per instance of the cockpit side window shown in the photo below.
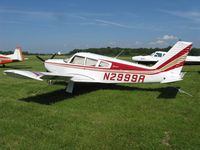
(104, 64)
(90, 62)
(78, 60)
(158, 55)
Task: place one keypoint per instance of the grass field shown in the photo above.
(35, 115)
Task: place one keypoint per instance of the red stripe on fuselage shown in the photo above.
(3, 57)
(120, 66)
(6, 61)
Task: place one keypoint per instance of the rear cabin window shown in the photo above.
(78, 60)
(104, 64)
(90, 62)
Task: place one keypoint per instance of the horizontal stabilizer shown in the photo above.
(173, 77)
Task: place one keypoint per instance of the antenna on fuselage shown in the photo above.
(119, 53)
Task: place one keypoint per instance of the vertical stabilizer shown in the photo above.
(17, 55)
(175, 57)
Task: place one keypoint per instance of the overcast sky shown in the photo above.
(62, 25)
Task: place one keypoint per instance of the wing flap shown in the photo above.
(53, 76)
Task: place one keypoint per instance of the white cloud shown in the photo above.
(169, 37)
(164, 40)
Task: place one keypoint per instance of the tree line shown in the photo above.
(109, 51)
(129, 51)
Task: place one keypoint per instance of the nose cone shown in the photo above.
(54, 61)
(52, 64)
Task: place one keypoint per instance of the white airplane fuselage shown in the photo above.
(117, 71)
(156, 56)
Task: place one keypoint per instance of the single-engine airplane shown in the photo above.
(15, 57)
(156, 56)
(93, 68)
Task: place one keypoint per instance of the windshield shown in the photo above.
(77, 60)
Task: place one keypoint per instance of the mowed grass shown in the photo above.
(35, 115)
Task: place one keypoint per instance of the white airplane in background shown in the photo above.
(93, 68)
(156, 56)
(15, 57)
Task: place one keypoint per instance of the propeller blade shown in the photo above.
(40, 58)
(53, 55)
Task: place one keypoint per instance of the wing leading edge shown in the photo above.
(37, 75)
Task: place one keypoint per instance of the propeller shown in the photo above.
(52, 57)
(40, 58)
(43, 60)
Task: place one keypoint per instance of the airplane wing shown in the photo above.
(50, 76)
(37, 75)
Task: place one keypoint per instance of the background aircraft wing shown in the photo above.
(37, 75)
